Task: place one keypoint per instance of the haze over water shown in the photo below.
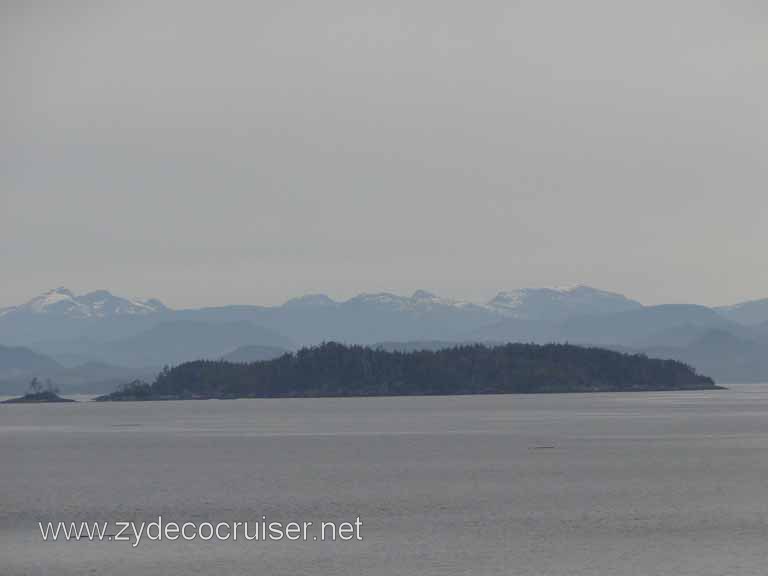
(615, 484)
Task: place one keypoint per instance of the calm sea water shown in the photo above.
(604, 484)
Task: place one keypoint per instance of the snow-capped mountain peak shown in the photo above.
(422, 298)
(378, 299)
(559, 302)
(98, 304)
(58, 297)
(419, 302)
(311, 301)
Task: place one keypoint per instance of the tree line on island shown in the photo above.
(333, 369)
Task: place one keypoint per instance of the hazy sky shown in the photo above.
(246, 152)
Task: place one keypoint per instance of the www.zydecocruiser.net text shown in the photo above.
(262, 530)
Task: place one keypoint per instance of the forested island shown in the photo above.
(38, 394)
(337, 370)
(41, 398)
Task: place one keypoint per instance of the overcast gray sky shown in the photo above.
(246, 152)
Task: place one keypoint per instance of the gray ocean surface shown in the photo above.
(592, 484)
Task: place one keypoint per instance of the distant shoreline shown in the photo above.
(105, 398)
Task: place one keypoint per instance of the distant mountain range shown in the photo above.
(124, 336)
